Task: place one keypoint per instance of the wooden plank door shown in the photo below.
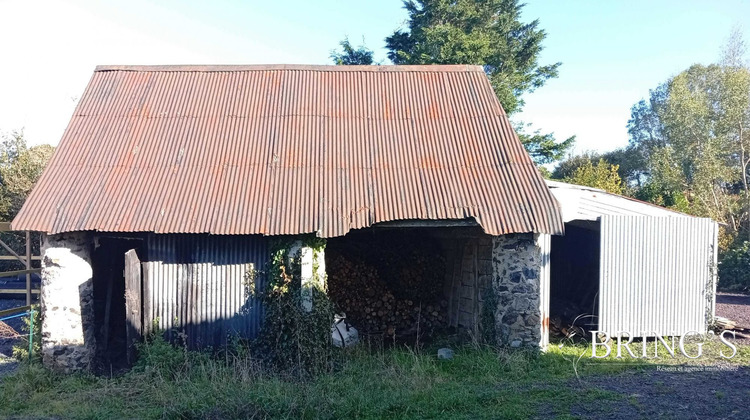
(133, 304)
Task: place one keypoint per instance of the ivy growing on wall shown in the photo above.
(294, 340)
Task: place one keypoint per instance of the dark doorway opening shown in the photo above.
(574, 279)
(108, 266)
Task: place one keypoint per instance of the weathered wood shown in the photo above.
(107, 312)
(476, 291)
(148, 308)
(13, 311)
(133, 303)
(5, 227)
(19, 272)
(12, 252)
(28, 267)
(12, 258)
(18, 291)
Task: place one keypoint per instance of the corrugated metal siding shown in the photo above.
(544, 242)
(286, 150)
(657, 274)
(196, 284)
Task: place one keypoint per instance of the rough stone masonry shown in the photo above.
(68, 342)
(517, 271)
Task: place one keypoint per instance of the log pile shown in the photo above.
(387, 293)
(560, 328)
(727, 324)
(570, 320)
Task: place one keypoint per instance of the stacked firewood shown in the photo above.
(560, 328)
(728, 324)
(375, 305)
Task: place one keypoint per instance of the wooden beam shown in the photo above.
(18, 291)
(5, 227)
(14, 311)
(13, 253)
(12, 258)
(419, 223)
(19, 272)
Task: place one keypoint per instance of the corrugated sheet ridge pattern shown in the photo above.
(288, 151)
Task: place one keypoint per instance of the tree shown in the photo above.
(543, 148)
(693, 138)
(349, 55)
(567, 167)
(488, 33)
(601, 175)
(20, 168)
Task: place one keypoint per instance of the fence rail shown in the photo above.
(25, 260)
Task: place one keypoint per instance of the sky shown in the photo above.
(612, 52)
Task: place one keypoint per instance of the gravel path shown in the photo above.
(735, 307)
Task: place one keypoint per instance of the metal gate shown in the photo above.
(657, 274)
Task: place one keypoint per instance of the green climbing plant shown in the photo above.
(293, 339)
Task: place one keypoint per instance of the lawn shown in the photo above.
(479, 382)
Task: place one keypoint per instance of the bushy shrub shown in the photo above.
(734, 268)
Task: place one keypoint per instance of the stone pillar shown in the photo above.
(312, 271)
(67, 302)
(517, 264)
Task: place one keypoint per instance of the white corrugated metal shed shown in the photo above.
(585, 203)
(656, 266)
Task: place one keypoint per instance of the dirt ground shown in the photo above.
(671, 395)
(677, 392)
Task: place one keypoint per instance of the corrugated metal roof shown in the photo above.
(285, 150)
(585, 203)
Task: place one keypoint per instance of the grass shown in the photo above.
(709, 347)
(479, 382)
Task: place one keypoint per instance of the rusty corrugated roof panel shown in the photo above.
(285, 150)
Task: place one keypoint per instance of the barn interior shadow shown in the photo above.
(192, 289)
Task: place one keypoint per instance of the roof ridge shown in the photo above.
(307, 67)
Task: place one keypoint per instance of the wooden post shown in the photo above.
(133, 304)
(31, 332)
(28, 267)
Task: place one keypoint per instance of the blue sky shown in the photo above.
(612, 52)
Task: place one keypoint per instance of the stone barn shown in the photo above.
(170, 182)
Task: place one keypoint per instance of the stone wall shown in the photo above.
(518, 270)
(67, 307)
